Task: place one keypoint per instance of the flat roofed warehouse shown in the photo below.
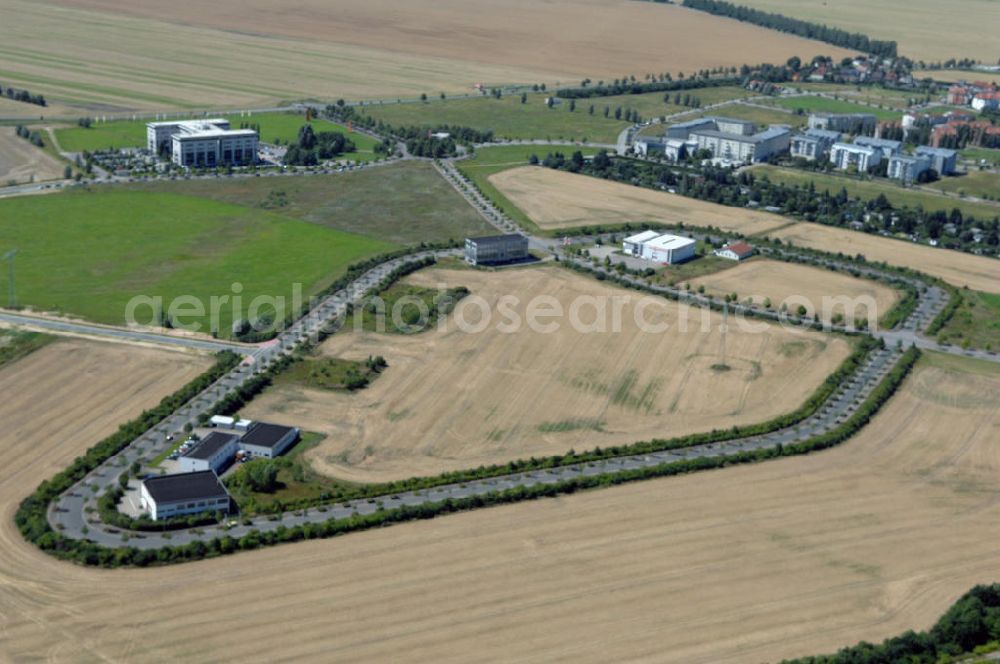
(268, 440)
(212, 453)
(186, 493)
(496, 249)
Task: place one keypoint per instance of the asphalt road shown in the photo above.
(69, 513)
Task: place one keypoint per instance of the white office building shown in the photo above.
(203, 143)
(633, 245)
(214, 452)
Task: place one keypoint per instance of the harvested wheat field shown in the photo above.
(746, 564)
(818, 290)
(557, 199)
(148, 54)
(957, 268)
(925, 29)
(452, 400)
(20, 161)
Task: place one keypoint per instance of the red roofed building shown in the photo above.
(735, 251)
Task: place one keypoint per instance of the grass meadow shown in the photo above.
(86, 253)
(826, 105)
(404, 203)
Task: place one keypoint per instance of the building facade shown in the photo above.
(853, 123)
(268, 440)
(203, 143)
(214, 452)
(180, 495)
(862, 158)
(735, 251)
(668, 249)
(632, 245)
(813, 144)
(743, 148)
(496, 249)
(906, 168)
(942, 160)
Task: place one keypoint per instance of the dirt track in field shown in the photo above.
(20, 161)
(452, 400)
(756, 563)
(257, 51)
(557, 199)
(795, 285)
(957, 268)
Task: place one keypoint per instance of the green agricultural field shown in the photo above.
(813, 104)
(982, 154)
(870, 189)
(274, 127)
(88, 253)
(976, 322)
(508, 117)
(405, 203)
(979, 184)
(488, 161)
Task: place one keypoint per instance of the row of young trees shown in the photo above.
(952, 229)
(855, 41)
(23, 96)
(33, 136)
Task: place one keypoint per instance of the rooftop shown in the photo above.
(877, 142)
(496, 239)
(263, 434)
(210, 445)
(936, 152)
(644, 236)
(202, 485)
(739, 248)
(670, 242)
(822, 133)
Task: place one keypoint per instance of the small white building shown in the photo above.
(222, 421)
(633, 245)
(180, 495)
(213, 453)
(735, 251)
(668, 249)
(268, 440)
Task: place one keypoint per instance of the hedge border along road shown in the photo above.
(109, 551)
(420, 505)
(105, 545)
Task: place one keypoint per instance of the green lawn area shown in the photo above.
(824, 105)
(981, 184)
(14, 344)
(508, 117)
(329, 373)
(976, 323)
(897, 99)
(87, 253)
(405, 203)
(979, 154)
(406, 309)
(756, 114)
(273, 127)
(869, 189)
(296, 480)
(488, 161)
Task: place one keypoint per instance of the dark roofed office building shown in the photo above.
(268, 440)
(496, 249)
(183, 494)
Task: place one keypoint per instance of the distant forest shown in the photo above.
(854, 41)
